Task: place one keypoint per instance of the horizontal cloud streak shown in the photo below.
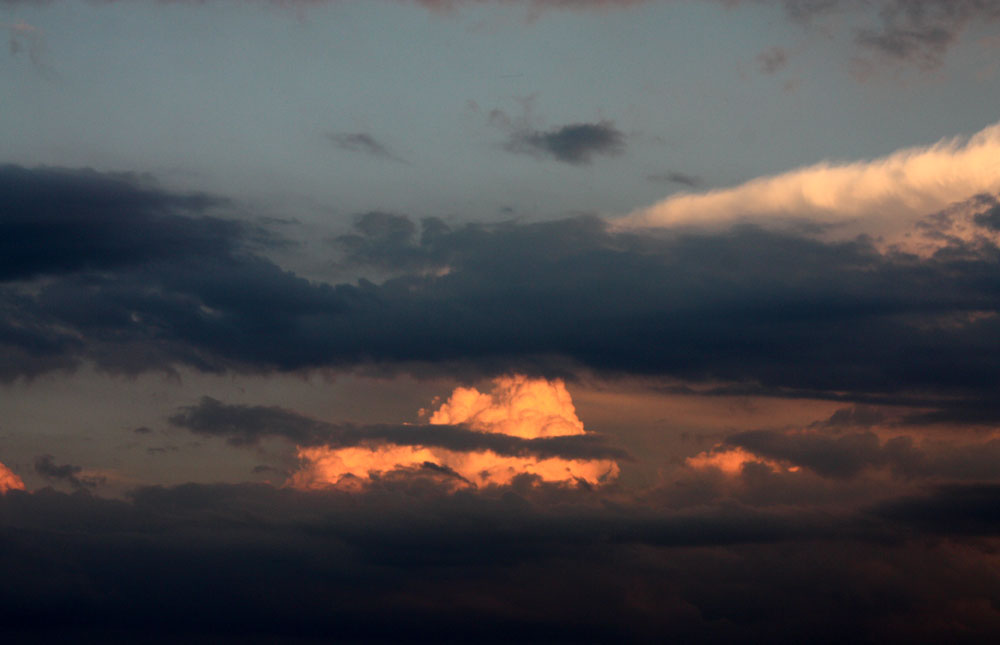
(247, 425)
(513, 565)
(364, 143)
(888, 193)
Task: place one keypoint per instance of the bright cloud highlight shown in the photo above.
(877, 196)
(516, 406)
(9, 480)
(731, 460)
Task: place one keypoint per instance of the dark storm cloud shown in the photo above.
(247, 425)
(405, 562)
(364, 143)
(57, 220)
(783, 313)
(575, 144)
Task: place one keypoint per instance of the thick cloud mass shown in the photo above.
(58, 221)
(404, 562)
(778, 311)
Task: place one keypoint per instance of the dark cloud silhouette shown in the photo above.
(791, 315)
(848, 455)
(247, 425)
(362, 142)
(974, 411)
(676, 178)
(385, 240)
(856, 416)
(576, 143)
(949, 509)
(45, 465)
(403, 562)
(58, 220)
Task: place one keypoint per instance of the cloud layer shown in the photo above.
(882, 196)
(748, 306)
(403, 561)
(522, 428)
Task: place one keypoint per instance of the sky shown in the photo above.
(500, 320)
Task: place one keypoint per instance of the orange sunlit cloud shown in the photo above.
(516, 406)
(9, 480)
(731, 461)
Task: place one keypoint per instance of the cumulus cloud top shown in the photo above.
(517, 406)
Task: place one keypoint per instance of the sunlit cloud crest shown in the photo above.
(9, 480)
(516, 406)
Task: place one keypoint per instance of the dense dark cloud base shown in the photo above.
(405, 563)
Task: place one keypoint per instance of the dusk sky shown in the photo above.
(500, 320)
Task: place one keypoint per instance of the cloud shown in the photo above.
(364, 143)
(24, 38)
(517, 406)
(676, 178)
(523, 427)
(9, 480)
(73, 475)
(62, 220)
(948, 509)
(922, 30)
(910, 31)
(381, 239)
(772, 60)
(230, 562)
(884, 195)
(575, 144)
(243, 425)
(857, 416)
(846, 456)
(745, 305)
(730, 461)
